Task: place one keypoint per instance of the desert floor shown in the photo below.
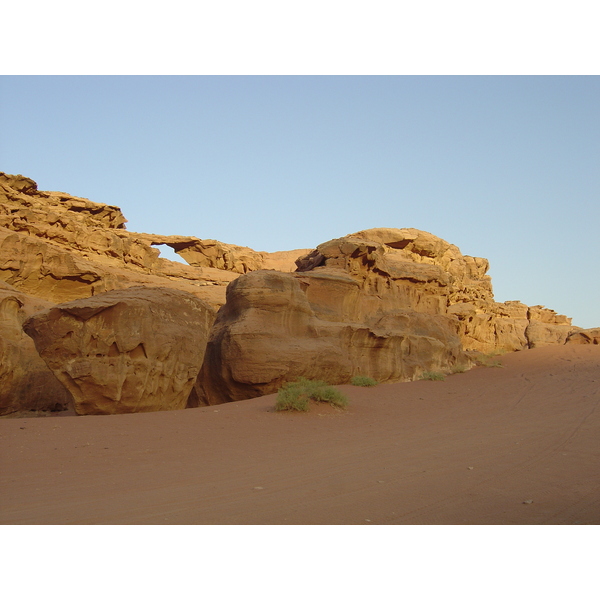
(512, 445)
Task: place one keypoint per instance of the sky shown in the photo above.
(504, 167)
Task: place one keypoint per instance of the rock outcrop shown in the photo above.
(225, 257)
(26, 383)
(387, 303)
(417, 270)
(276, 327)
(546, 328)
(584, 336)
(61, 247)
(132, 350)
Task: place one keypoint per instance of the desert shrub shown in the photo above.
(487, 360)
(433, 376)
(363, 381)
(459, 369)
(492, 363)
(295, 395)
(291, 399)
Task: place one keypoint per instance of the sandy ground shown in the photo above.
(512, 445)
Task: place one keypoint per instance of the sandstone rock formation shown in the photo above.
(418, 270)
(387, 303)
(546, 328)
(133, 350)
(26, 383)
(276, 327)
(226, 257)
(61, 247)
(585, 336)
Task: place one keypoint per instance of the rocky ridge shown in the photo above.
(388, 303)
(61, 248)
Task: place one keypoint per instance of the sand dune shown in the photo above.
(512, 445)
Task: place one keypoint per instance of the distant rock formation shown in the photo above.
(133, 350)
(226, 257)
(387, 303)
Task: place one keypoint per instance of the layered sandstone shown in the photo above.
(417, 270)
(60, 247)
(26, 383)
(133, 350)
(224, 257)
(387, 303)
(584, 336)
(276, 327)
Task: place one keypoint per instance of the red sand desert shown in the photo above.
(511, 445)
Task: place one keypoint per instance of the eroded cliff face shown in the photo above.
(61, 247)
(276, 327)
(387, 303)
(412, 269)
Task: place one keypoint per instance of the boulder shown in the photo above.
(276, 327)
(133, 350)
(26, 383)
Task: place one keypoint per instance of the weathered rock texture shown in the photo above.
(276, 327)
(26, 383)
(60, 248)
(133, 350)
(417, 270)
(585, 336)
(387, 303)
(226, 257)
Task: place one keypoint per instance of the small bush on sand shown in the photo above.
(433, 376)
(295, 395)
(363, 381)
(488, 360)
(493, 363)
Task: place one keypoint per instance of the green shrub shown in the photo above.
(291, 399)
(363, 381)
(433, 376)
(295, 395)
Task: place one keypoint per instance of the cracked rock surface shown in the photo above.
(133, 350)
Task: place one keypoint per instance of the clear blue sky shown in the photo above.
(507, 168)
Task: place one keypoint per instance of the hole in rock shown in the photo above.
(138, 352)
(168, 253)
